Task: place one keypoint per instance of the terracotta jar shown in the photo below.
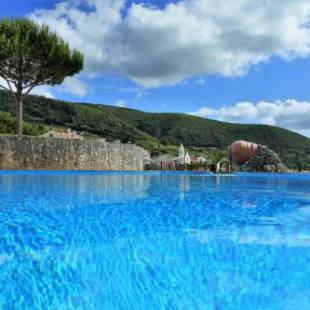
(241, 151)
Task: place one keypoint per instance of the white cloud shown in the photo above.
(44, 91)
(290, 114)
(140, 94)
(75, 86)
(158, 46)
(120, 103)
(200, 81)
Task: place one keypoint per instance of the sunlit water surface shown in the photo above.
(154, 241)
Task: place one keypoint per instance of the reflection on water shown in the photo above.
(154, 241)
(66, 190)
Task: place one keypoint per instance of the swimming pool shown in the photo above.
(152, 240)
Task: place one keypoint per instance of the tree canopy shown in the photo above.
(32, 55)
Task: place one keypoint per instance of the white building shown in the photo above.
(187, 159)
(183, 157)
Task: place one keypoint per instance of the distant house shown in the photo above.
(198, 159)
(69, 134)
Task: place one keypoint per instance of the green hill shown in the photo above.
(154, 131)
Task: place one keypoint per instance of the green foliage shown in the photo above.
(197, 167)
(6, 123)
(33, 55)
(199, 135)
(157, 149)
(218, 156)
(7, 126)
(33, 129)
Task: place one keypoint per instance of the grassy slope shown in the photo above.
(82, 117)
(149, 129)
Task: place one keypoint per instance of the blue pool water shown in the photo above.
(154, 240)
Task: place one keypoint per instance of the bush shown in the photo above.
(8, 123)
(196, 166)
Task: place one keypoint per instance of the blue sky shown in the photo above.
(237, 74)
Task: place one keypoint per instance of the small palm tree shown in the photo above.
(217, 157)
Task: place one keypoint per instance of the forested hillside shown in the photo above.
(152, 130)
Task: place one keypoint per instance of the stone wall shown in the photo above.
(64, 154)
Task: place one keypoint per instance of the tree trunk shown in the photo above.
(19, 116)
